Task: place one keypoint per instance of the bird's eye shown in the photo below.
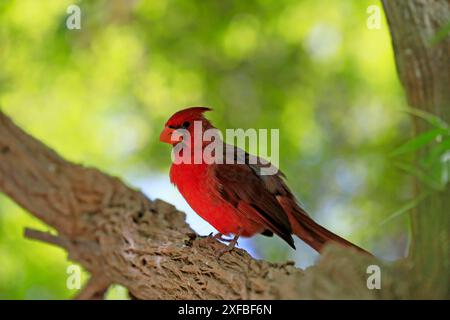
(186, 124)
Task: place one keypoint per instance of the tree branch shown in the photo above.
(46, 237)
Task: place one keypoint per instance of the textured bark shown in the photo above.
(122, 237)
(424, 69)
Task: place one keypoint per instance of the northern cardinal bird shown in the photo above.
(235, 198)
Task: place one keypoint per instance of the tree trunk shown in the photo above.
(423, 66)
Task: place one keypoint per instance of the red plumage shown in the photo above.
(236, 199)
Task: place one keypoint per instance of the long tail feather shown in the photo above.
(310, 231)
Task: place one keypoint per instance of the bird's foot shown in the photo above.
(222, 251)
(232, 243)
(219, 236)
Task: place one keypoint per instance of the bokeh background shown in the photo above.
(100, 96)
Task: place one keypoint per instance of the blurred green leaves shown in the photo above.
(419, 141)
(430, 152)
(432, 167)
(441, 34)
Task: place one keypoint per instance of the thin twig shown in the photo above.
(46, 237)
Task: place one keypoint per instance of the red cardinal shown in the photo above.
(235, 198)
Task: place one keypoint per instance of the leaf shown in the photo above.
(445, 161)
(418, 142)
(432, 119)
(405, 208)
(434, 154)
(441, 34)
(424, 177)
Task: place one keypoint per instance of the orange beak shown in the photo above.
(168, 136)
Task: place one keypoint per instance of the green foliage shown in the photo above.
(100, 96)
(432, 166)
(441, 34)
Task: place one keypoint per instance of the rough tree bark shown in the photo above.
(424, 70)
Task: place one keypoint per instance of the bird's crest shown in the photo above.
(193, 113)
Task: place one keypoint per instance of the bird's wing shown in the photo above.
(252, 194)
